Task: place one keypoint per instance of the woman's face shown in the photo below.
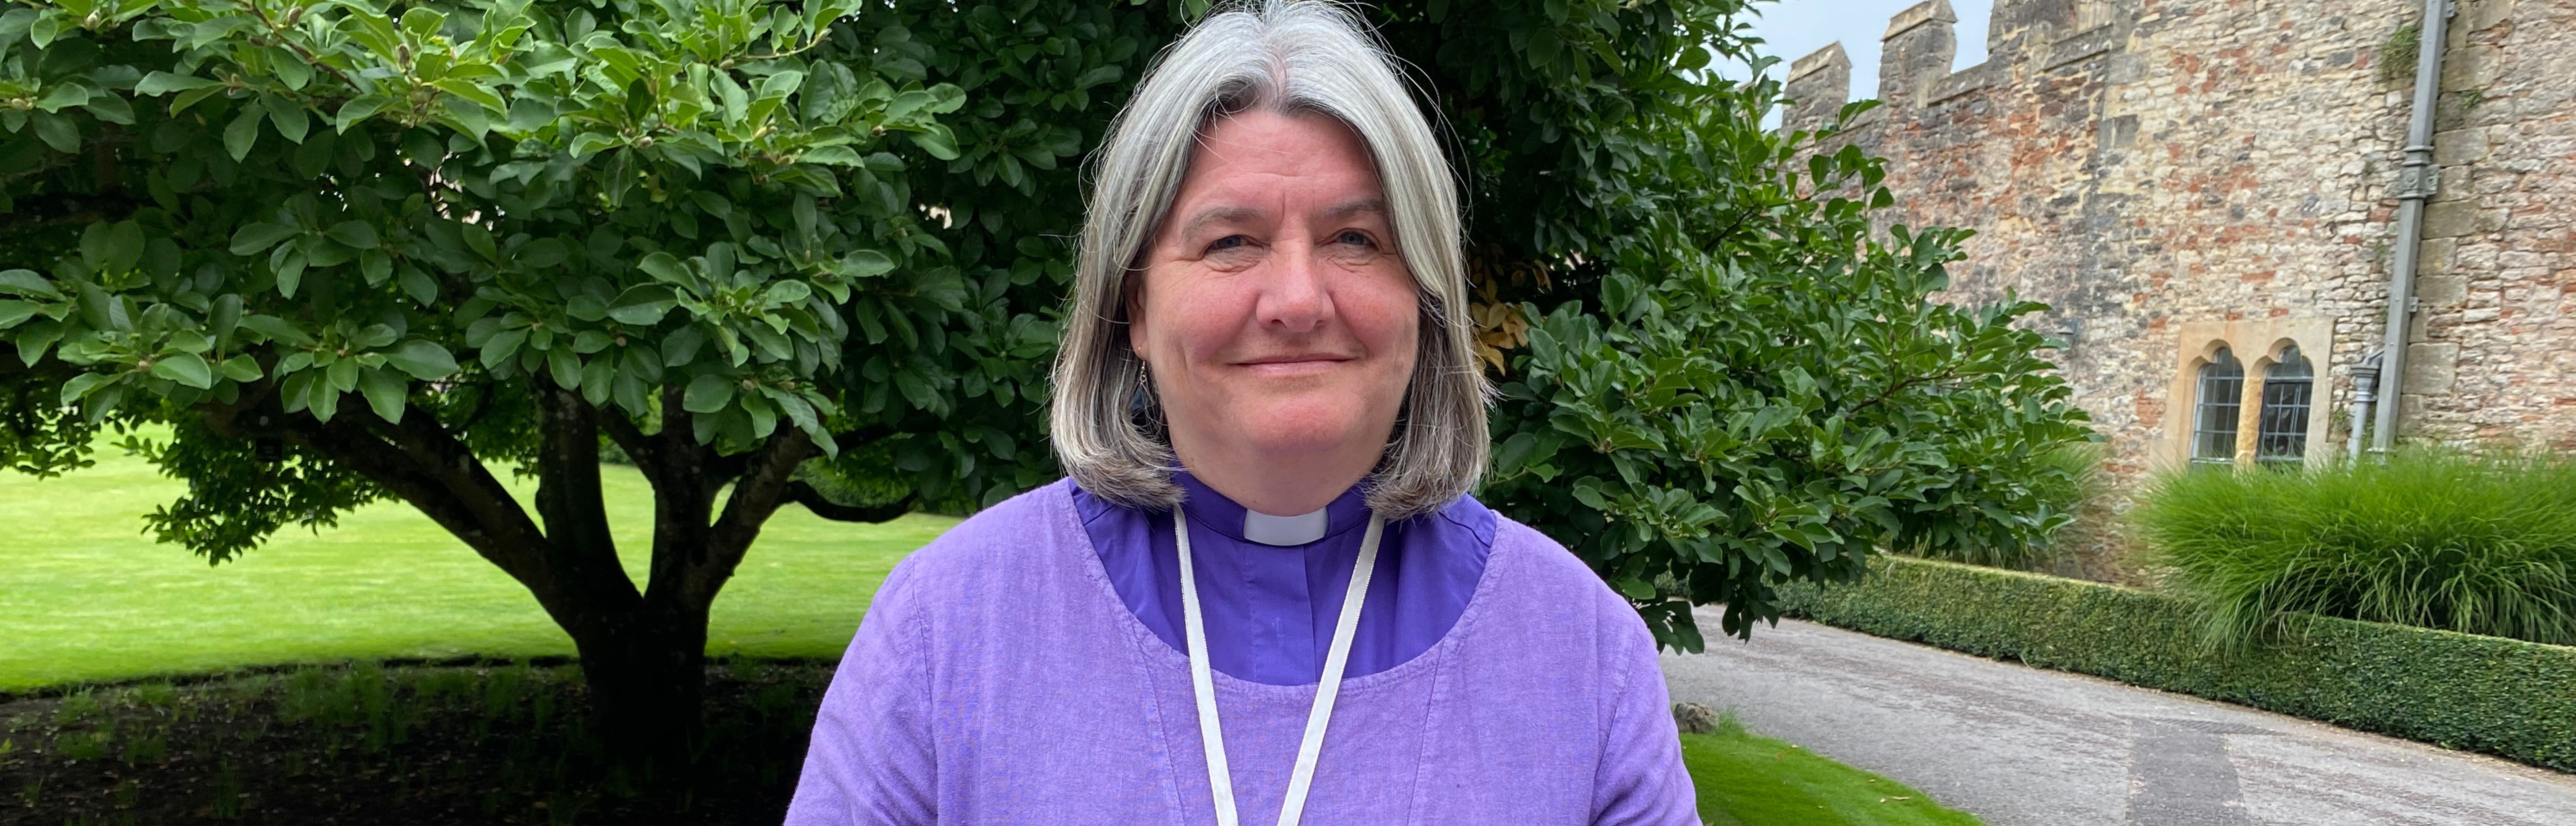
(1276, 318)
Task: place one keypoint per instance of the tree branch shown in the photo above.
(756, 495)
(805, 494)
(570, 500)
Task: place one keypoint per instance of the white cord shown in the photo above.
(1212, 736)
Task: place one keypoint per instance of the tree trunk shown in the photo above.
(643, 653)
(646, 673)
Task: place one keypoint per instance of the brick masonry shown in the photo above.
(2222, 169)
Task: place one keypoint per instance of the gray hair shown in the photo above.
(1291, 57)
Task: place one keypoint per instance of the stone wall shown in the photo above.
(2223, 169)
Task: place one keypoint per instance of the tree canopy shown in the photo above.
(812, 252)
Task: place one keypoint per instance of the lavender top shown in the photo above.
(1270, 609)
(999, 677)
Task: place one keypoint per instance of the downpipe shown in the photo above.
(2415, 186)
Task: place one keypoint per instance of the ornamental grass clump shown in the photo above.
(2436, 540)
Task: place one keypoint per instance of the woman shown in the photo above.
(1267, 346)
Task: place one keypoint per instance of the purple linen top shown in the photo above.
(999, 677)
(1270, 609)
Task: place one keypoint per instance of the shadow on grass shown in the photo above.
(507, 744)
(371, 744)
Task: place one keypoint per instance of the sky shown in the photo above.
(1791, 29)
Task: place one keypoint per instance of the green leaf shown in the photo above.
(681, 347)
(241, 368)
(423, 359)
(707, 394)
(288, 115)
(277, 329)
(479, 239)
(833, 156)
(290, 272)
(1109, 73)
(502, 346)
(185, 368)
(386, 393)
(358, 109)
(110, 108)
(565, 367)
(161, 83)
(322, 399)
(27, 282)
(938, 141)
(243, 133)
(866, 263)
(642, 304)
(35, 337)
(343, 375)
(12, 312)
(82, 385)
(57, 131)
(355, 234)
(252, 238)
(662, 267)
(419, 286)
(542, 253)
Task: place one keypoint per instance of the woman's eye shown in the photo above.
(1228, 242)
(1355, 238)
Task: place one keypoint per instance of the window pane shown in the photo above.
(2222, 388)
(2288, 386)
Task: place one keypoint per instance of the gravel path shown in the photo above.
(2020, 746)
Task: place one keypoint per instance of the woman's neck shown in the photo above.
(1276, 485)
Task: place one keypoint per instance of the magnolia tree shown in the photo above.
(805, 253)
(346, 252)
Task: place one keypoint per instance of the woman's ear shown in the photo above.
(1131, 306)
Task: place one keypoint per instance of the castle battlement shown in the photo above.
(2024, 37)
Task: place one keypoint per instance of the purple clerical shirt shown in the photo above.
(1003, 676)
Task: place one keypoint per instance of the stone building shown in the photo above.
(2195, 184)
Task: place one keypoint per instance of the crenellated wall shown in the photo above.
(2175, 175)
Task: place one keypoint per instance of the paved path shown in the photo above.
(2024, 747)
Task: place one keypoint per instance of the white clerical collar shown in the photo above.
(1285, 530)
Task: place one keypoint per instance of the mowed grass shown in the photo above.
(86, 595)
(1746, 779)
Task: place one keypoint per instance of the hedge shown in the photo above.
(2509, 698)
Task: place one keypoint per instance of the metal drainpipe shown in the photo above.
(2415, 186)
(2365, 387)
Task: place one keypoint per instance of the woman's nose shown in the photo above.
(1294, 298)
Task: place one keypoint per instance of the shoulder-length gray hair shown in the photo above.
(1290, 57)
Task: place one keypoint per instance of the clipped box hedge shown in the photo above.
(2504, 697)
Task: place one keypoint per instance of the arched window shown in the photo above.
(2222, 399)
(2288, 385)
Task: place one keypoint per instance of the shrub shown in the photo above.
(2437, 540)
(1758, 387)
(2488, 694)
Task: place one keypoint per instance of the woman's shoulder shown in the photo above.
(1011, 534)
(1549, 610)
(1541, 574)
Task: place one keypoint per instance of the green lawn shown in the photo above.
(85, 595)
(1749, 780)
